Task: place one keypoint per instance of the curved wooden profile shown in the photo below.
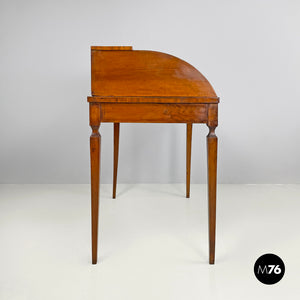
(121, 73)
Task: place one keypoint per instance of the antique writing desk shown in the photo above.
(149, 87)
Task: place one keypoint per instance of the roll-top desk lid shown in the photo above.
(121, 74)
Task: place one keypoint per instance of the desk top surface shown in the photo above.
(120, 74)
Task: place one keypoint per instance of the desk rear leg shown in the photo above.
(189, 128)
(116, 157)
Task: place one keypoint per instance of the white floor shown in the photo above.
(153, 242)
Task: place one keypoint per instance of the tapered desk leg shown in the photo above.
(212, 145)
(95, 147)
(116, 156)
(189, 128)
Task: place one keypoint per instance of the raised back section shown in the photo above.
(123, 72)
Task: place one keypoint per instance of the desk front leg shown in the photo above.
(95, 147)
(212, 151)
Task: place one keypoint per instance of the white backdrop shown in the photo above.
(248, 50)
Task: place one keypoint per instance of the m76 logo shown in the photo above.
(269, 269)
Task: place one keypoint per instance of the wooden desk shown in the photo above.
(149, 87)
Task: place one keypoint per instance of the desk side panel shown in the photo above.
(153, 113)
